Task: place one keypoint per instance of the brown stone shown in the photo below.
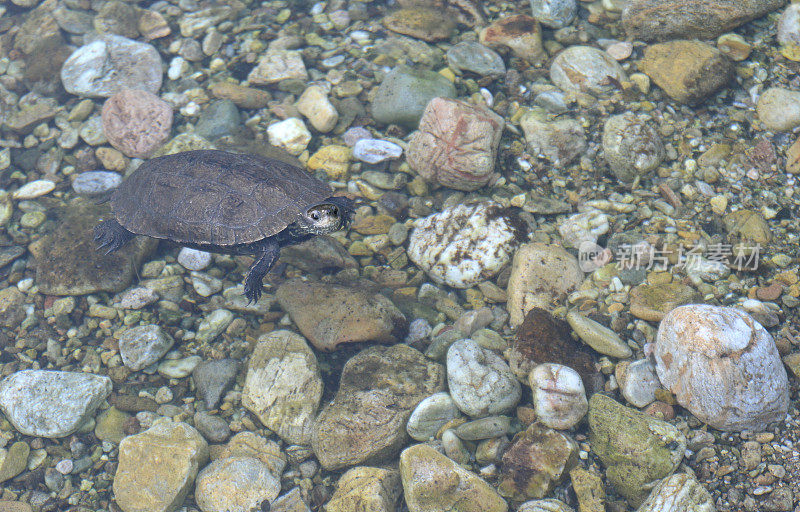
(793, 157)
(652, 301)
(245, 97)
(39, 27)
(152, 25)
(420, 22)
(542, 338)
(520, 33)
(688, 71)
(771, 292)
(329, 314)
(456, 144)
(136, 122)
(117, 17)
(661, 20)
(366, 421)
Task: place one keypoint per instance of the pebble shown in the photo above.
(204, 284)
(456, 144)
(366, 420)
(559, 397)
(213, 378)
(144, 345)
(92, 133)
(540, 275)
(476, 58)
(34, 189)
(374, 151)
(351, 315)
(404, 93)
(635, 448)
(219, 119)
(554, 13)
(638, 382)
(178, 368)
(51, 404)
(779, 109)
(213, 325)
(283, 386)
(484, 428)
(278, 65)
(480, 381)
(520, 33)
(290, 134)
(333, 160)
(139, 484)
(317, 108)
(537, 460)
(479, 243)
(14, 460)
(598, 336)
(632, 148)
(111, 63)
(582, 228)
(92, 183)
(420, 22)
(560, 141)
(194, 259)
(138, 298)
(546, 505)
(213, 428)
(652, 302)
(688, 71)
(722, 366)
(136, 122)
(431, 415)
(434, 483)
(679, 493)
(586, 69)
(241, 96)
(355, 134)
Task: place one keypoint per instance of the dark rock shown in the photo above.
(213, 378)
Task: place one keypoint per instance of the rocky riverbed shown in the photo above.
(571, 282)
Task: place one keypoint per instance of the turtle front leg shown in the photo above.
(110, 235)
(266, 256)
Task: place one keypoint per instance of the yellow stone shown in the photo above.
(333, 160)
(791, 51)
(719, 204)
(448, 74)
(112, 159)
(734, 46)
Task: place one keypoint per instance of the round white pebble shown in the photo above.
(192, 259)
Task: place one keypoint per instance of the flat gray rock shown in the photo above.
(51, 404)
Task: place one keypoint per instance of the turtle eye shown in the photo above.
(314, 215)
(335, 211)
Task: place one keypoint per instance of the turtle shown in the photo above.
(223, 202)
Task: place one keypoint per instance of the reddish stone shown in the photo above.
(136, 122)
(660, 410)
(771, 292)
(456, 144)
(520, 33)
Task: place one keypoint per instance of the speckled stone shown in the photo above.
(464, 245)
(136, 122)
(586, 69)
(480, 381)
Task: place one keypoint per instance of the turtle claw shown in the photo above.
(252, 289)
(111, 236)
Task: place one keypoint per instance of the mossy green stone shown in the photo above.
(636, 449)
(404, 93)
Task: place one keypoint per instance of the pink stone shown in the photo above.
(136, 122)
(456, 144)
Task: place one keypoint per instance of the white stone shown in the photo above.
(278, 65)
(51, 404)
(137, 298)
(678, 493)
(194, 259)
(638, 382)
(34, 189)
(430, 415)
(318, 109)
(583, 227)
(374, 151)
(213, 325)
(464, 244)
(290, 134)
(559, 397)
(92, 183)
(144, 345)
(481, 383)
(789, 25)
(235, 484)
(586, 69)
(722, 366)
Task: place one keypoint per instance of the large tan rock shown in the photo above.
(366, 489)
(157, 467)
(283, 385)
(434, 483)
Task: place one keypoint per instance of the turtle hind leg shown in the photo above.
(110, 235)
(266, 256)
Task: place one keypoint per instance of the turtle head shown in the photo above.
(329, 216)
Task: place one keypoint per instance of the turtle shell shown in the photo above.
(215, 197)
